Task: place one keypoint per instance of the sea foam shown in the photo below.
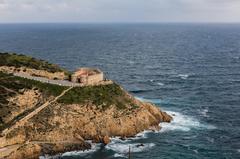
(182, 122)
(183, 76)
(123, 148)
(94, 148)
(160, 84)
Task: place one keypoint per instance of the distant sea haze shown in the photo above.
(189, 70)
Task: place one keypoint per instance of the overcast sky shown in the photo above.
(119, 11)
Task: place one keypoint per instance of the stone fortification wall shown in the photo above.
(93, 79)
(87, 76)
(34, 72)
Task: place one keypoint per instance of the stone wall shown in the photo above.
(93, 79)
(74, 78)
(34, 72)
(87, 79)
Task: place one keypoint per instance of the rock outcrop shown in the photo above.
(34, 150)
(60, 123)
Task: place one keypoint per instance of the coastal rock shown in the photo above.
(106, 140)
(34, 150)
(166, 117)
(86, 122)
(30, 151)
(96, 139)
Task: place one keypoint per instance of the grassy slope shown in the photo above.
(7, 59)
(102, 95)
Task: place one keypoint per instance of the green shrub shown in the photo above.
(102, 95)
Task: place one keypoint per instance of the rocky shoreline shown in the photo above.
(38, 118)
(99, 130)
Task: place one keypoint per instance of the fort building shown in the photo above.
(87, 76)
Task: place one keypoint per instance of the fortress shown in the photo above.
(87, 76)
(81, 77)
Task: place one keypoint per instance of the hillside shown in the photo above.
(19, 60)
(41, 118)
(14, 63)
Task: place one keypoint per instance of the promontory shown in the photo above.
(45, 109)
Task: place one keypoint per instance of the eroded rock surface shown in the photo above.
(74, 122)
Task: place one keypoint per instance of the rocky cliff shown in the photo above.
(68, 119)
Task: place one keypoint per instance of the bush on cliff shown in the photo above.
(102, 95)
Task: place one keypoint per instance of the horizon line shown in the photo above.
(180, 22)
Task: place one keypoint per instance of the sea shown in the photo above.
(191, 71)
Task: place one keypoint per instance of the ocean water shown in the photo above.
(192, 71)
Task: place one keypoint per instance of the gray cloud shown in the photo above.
(119, 11)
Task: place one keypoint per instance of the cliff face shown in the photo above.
(73, 123)
(67, 117)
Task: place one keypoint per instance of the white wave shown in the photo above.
(119, 155)
(160, 84)
(94, 148)
(183, 123)
(196, 151)
(204, 112)
(141, 135)
(180, 121)
(183, 76)
(123, 148)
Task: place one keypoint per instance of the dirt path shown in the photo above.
(8, 149)
(36, 111)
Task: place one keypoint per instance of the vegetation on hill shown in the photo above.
(101, 96)
(18, 60)
(11, 85)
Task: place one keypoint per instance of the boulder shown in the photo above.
(106, 140)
